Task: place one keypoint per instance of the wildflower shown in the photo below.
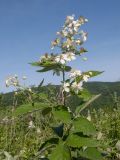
(66, 87)
(61, 59)
(31, 125)
(64, 33)
(78, 42)
(82, 20)
(55, 42)
(69, 19)
(84, 36)
(68, 43)
(77, 87)
(12, 81)
(86, 77)
(45, 57)
(75, 73)
(70, 56)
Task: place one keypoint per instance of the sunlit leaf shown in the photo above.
(76, 141)
(61, 152)
(81, 124)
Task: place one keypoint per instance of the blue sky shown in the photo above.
(28, 26)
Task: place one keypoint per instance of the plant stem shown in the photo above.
(64, 94)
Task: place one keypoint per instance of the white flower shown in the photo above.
(86, 20)
(69, 19)
(61, 59)
(78, 41)
(64, 33)
(75, 73)
(82, 20)
(66, 87)
(77, 87)
(70, 56)
(86, 77)
(84, 36)
(12, 81)
(31, 125)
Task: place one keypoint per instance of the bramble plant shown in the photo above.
(74, 135)
(21, 91)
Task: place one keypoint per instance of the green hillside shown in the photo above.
(110, 93)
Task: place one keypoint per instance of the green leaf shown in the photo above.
(62, 114)
(82, 51)
(85, 105)
(81, 124)
(67, 68)
(91, 153)
(85, 94)
(61, 152)
(35, 63)
(50, 65)
(93, 73)
(76, 141)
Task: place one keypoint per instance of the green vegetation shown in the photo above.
(63, 122)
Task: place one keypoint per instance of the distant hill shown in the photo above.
(110, 93)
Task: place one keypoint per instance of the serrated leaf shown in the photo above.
(81, 124)
(35, 63)
(76, 141)
(85, 94)
(62, 115)
(85, 105)
(91, 154)
(61, 152)
(93, 73)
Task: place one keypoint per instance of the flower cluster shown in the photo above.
(12, 81)
(63, 58)
(76, 85)
(71, 35)
(71, 26)
(69, 39)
